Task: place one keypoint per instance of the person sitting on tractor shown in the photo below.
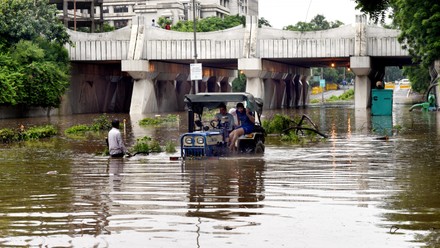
(246, 122)
(224, 119)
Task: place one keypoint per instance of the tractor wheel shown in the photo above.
(259, 147)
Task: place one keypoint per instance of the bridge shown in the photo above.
(144, 69)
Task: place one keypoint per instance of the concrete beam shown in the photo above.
(360, 65)
(138, 69)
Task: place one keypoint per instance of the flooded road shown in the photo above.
(352, 190)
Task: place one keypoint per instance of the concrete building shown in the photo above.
(118, 13)
(80, 13)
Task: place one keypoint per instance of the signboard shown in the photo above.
(196, 71)
(322, 83)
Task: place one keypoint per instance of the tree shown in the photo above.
(317, 23)
(29, 19)
(239, 84)
(263, 22)
(419, 22)
(34, 65)
(210, 24)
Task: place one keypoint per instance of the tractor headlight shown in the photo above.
(200, 140)
(188, 141)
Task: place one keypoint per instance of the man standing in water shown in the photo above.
(116, 146)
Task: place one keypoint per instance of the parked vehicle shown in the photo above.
(404, 81)
(210, 141)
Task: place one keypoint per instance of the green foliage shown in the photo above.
(34, 65)
(276, 124)
(39, 132)
(375, 8)
(418, 76)
(291, 137)
(163, 21)
(159, 120)
(142, 145)
(210, 24)
(418, 21)
(263, 22)
(170, 147)
(155, 146)
(101, 123)
(28, 20)
(146, 145)
(347, 95)
(33, 133)
(239, 83)
(334, 75)
(317, 23)
(7, 135)
(393, 73)
(77, 129)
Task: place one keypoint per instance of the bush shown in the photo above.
(141, 145)
(158, 120)
(7, 135)
(170, 147)
(77, 129)
(101, 123)
(33, 133)
(39, 132)
(277, 124)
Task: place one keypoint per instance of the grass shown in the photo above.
(99, 124)
(158, 120)
(8, 135)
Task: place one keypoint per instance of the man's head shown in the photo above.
(222, 108)
(115, 123)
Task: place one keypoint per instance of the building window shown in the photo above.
(121, 23)
(121, 9)
(105, 10)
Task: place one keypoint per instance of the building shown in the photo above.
(118, 13)
(80, 13)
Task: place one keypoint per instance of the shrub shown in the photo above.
(141, 145)
(170, 147)
(277, 124)
(39, 132)
(7, 135)
(77, 129)
(154, 146)
(158, 120)
(101, 123)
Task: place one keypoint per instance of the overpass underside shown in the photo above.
(153, 64)
(162, 87)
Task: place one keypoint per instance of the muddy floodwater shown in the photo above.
(355, 189)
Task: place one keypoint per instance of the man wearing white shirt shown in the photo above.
(116, 146)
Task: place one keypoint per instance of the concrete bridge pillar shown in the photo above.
(434, 75)
(252, 67)
(143, 98)
(361, 66)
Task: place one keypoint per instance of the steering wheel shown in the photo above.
(214, 123)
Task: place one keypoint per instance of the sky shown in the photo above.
(281, 13)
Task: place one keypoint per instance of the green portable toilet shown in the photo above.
(382, 102)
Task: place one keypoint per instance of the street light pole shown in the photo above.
(196, 82)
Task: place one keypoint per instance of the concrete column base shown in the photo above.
(362, 92)
(255, 86)
(144, 98)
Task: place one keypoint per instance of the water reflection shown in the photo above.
(350, 190)
(224, 188)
